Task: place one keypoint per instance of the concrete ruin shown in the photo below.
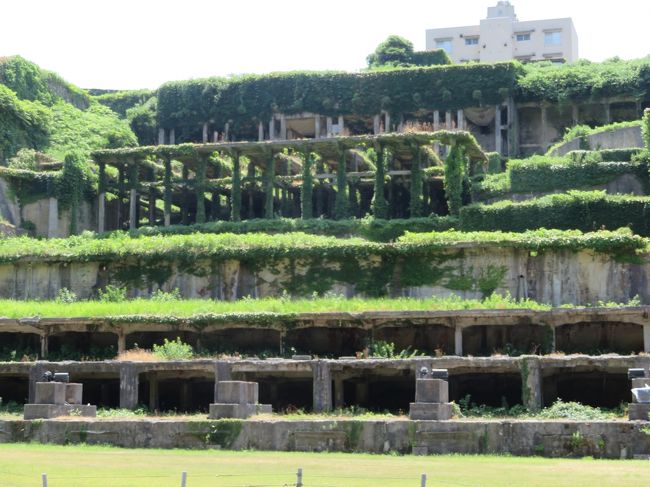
(237, 399)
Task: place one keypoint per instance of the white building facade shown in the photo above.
(502, 37)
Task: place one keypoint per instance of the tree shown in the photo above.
(395, 50)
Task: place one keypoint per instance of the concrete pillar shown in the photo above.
(153, 391)
(161, 136)
(283, 127)
(574, 114)
(35, 375)
(341, 125)
(53, 218)
(376, 125)
(205, 133)
(215, 136)
(133, 210)
(226, 132)
(543, 128)
(272, 128)
(339, 396)
(458, 341)
(260, 131)
(646, 338)
(531, 382)
(608, 113)
(328, 126)
(121, 342)
(172, 136)
(129, 384)
(497, 129)
(44, 345)
(322, 386)
(436, 119)
(460, 117)
(186, 398)
(317, 127)
(222, 371)
(101, 212)
(448, 121)
(386, 122)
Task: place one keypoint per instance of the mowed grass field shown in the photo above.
(21, 465)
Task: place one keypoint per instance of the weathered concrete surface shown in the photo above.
(556, 277)
(615, 439)
(611, 139)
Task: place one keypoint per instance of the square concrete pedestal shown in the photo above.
(237, 399)
(431, 400)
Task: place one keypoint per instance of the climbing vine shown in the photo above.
(454, 179)
(379, 204)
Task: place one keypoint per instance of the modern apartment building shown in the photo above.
(502, 37)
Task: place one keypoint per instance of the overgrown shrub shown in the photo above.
(112, 294)
(173, 350)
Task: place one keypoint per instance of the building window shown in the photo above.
(444, 44)
(523, 37)
(471, 41)
(552, 38)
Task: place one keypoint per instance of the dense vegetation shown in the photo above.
(397, 51)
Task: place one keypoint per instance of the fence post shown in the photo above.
(299, 478)
(44, 478)
(183, 479)
(423, 480)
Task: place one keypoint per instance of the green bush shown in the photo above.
(173, 350)
(112, 294)
(65, 296)
(582, 210)
(382, 349)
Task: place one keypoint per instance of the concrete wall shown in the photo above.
(548, 438)
(611, 139)
(560, 277)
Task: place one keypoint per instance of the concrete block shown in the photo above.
(50, 393)
(237, 392)
(431, 390)
(639, 412)
(48, 411)
(74, 393)
(239, 411)
(430, 411)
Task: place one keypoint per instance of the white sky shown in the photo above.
(124, 44)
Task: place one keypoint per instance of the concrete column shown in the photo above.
(121, 342)
(608, 113)
(497, 129)
(53, 218)
(322, 386)
(543, 128)
(35, 375)
(460, 117)
(260, 131)
(153, 391)
(215, 136)
(283, 127)
(436, 119)
(328, 126)
(172, 136)
(574, 114)
(448, 121)
(341, 125)
(646, 338)
(376, 125)
(387, 122)
(205, 133)
(226, 132)
(339, 396)
(101, 212)
(133, 210)
(222, 371)
(129, 384)
(272, 128)
(44, 345)
(161, 136)
(531, 382)
(317, 127)
(458, 341)
(185, 396)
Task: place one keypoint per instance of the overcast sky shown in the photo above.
(124, 44)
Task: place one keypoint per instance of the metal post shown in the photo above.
(298, 480)
(183, 479)
(423, 480)
(44, 478)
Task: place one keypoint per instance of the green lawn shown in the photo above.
(84, 466)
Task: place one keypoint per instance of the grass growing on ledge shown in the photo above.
(273, 306)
